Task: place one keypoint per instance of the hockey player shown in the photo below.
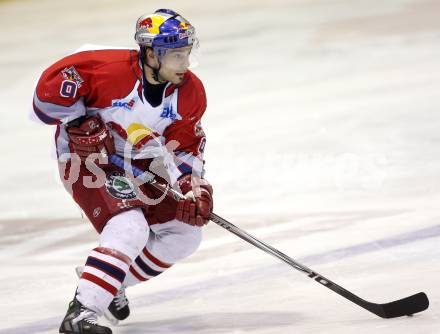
(146, 106)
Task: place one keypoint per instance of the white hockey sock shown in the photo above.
(102, 278)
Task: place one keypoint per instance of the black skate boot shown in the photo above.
(118, 308)
(81, 320)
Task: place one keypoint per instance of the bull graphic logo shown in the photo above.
(147, 23)
(184, 25)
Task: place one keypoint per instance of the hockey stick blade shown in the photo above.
(398, 308)
(406, 306)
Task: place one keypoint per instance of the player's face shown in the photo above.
(174, 64)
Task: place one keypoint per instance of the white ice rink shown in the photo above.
(323, 128)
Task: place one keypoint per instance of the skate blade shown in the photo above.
(110, 318)
(79, 270)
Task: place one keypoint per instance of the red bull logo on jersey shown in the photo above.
(139, 134)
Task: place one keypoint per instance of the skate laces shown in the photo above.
(87, 315)
(120, 299)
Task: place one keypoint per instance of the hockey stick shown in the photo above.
(406, 306)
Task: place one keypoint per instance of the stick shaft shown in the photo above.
(406, 306)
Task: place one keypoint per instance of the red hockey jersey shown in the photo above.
(109, 83)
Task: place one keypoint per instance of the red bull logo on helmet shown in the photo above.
(147, 23)
(184, 25)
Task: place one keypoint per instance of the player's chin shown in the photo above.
(178, 77)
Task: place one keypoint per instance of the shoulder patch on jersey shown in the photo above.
(68, 88)
(71, 74)
(71, 83)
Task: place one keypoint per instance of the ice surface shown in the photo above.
(323, 140)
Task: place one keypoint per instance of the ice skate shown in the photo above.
(118, 309)
(81, 320)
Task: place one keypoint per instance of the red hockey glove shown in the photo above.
(197, 207)
(91, 136)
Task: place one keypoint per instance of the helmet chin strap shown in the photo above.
(155, 70)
